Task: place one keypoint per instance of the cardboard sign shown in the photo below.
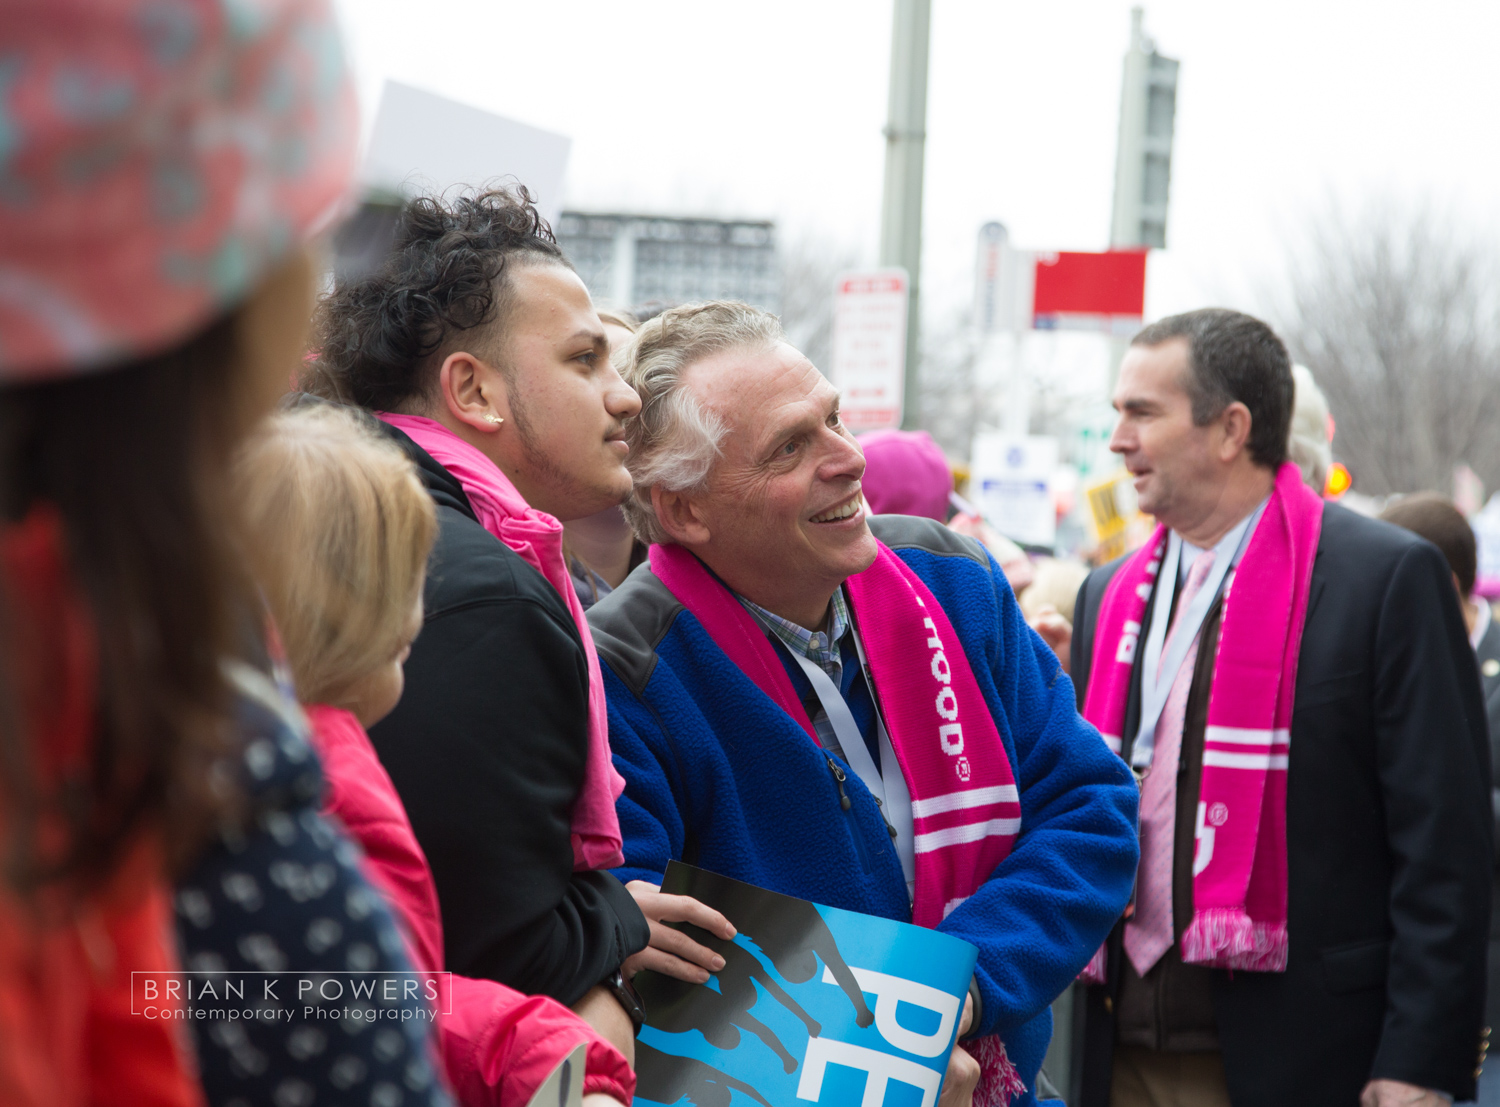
(1116, 523)
(813, 1005)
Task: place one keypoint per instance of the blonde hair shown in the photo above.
(675, 440)
(1056, 582)
(622, 319)
(1307, 438)
(340, 528)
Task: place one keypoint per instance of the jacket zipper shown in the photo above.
(847, 805)
(838, 779)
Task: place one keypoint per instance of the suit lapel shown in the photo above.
(1315, 588)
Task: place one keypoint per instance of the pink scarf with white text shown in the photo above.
(966, 810)
(1239, 867)
(537, 538)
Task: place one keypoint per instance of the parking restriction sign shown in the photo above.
(869, 347)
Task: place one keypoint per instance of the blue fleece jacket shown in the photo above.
(719, 776)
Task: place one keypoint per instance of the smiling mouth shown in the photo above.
(836, 514)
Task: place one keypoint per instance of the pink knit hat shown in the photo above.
(157, 157)
(905, 474)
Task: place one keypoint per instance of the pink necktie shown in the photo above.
(1149, 934)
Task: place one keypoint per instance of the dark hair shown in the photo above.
(134, 461)
(1234, 357)
(1436, 519)
(379, 339)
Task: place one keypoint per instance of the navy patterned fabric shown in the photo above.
(280, 908)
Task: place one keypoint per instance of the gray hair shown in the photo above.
(675, 440)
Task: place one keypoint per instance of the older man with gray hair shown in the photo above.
(847, 709)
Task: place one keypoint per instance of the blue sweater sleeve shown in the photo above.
(1049, 905)
(651, 823)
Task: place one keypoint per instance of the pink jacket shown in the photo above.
(498, 1045)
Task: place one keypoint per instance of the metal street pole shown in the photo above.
(901, 207)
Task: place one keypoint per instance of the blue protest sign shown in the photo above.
(813, 1005)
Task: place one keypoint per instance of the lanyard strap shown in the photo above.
(1158, 673)
(887, 784)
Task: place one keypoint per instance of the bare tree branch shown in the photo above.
(808, 268)
(1398, 316)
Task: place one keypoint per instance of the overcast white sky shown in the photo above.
(774, 108)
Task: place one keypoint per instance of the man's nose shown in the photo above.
(1119, 441)
(844, 460)
(620, 400)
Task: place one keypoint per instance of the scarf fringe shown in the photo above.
(1093, 972)
(999, 1082)
(1227, 938)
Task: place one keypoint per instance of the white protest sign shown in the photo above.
(869, 347)
(1010, 481)
(425, 142)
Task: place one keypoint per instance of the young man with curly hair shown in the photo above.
(478, 346)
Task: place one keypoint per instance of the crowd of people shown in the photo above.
(415, 631)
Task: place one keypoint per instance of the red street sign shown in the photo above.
(1090, 292)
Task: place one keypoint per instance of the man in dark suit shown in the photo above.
(1387, 818)
(1436, 519)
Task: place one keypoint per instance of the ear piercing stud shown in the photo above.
(492, 419)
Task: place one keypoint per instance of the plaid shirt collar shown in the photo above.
(819, 647)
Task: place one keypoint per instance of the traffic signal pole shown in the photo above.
(1143, 158)
(901, 206)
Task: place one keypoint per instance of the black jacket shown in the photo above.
(1489, 672)
(1388, 830)
(487, 749)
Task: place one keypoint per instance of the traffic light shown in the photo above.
(1340, 480)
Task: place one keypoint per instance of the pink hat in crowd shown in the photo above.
(157, 157)
(906, 474)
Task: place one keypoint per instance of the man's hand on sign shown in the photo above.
(963, 1071)
(671, 951)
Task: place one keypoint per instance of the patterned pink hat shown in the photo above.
(156, 158)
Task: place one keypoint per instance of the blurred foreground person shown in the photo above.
(754, 743)
(1438, 520)
(602, 550)
(906, 473)
(148, 318)
(1048, 604)
(479, 348)
(1294, 683)
(345, 528)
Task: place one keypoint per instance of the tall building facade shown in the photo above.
(633, 260)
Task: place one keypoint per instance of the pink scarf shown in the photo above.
(1239, 886)
(966, 810)
(537, 537)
